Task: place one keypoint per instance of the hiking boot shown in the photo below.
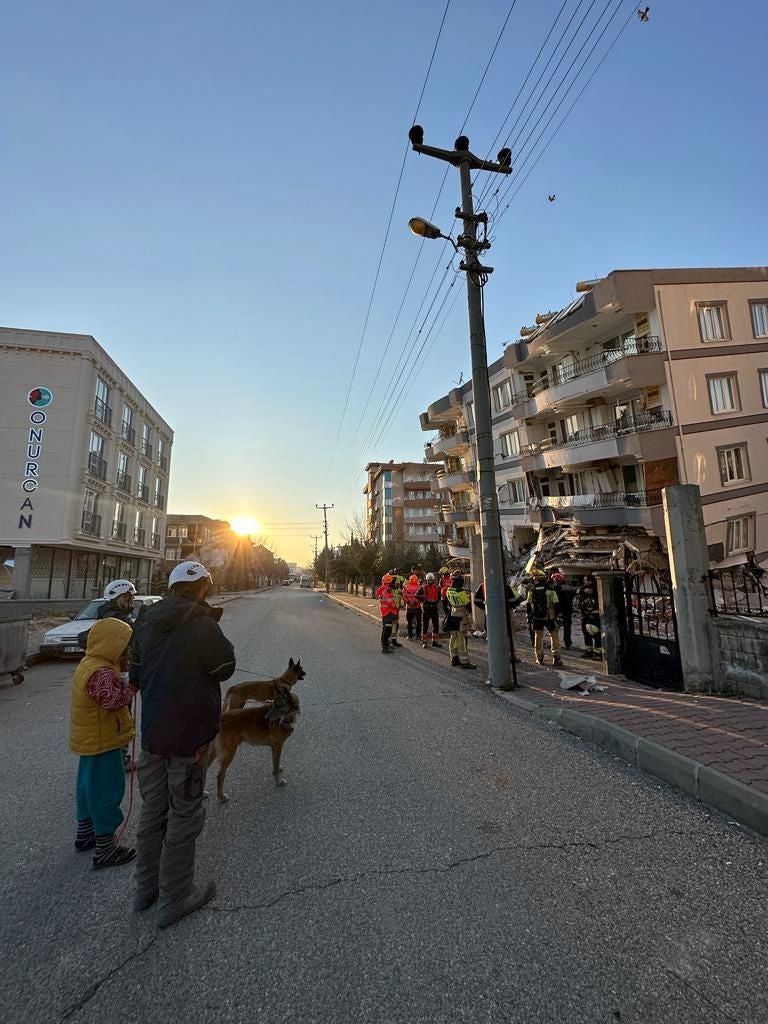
(455, 661)
(396, 643)
(467, 664)
(197, 898)
(386, 650)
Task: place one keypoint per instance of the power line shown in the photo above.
(386, 239)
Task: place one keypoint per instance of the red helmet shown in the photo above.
(558, 577)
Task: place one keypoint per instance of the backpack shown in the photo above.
(540, 602)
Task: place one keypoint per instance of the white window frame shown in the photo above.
(763, 378)
(100, 441)
(90, 500)
(727, 460)
(739, 535)
(714, 324)
(103, 390)
(510, 448)
(119, 516)
(759, 321)
(721, 389)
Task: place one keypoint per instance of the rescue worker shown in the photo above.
(589, 610)
(388, 610)
(459, 601)
(445, 586)
(412, 607)
(397, 593)
(429, 595)
(541, 605)
(565, 595)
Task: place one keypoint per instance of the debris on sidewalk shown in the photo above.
(580, 684)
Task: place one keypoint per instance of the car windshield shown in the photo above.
(89, 612)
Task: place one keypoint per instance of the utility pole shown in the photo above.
(315, 537)
(325, 531)
(500, 657)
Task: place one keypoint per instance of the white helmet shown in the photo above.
(431, 576)
(188, 572)
(118, 587)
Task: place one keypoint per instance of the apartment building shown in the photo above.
(647, 378)
(210, 541)
(84, 468)
(403, 503)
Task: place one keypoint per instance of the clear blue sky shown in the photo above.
(205, 186)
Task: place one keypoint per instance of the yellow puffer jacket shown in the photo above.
(93, 729)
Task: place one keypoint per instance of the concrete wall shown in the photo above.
(744, 654)
(22, 609)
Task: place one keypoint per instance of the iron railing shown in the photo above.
(624, 425)
(118, 530)
(611, 499)
(582, 367)
(97, 466)
(128, 433)
(91, 524)
(138, 536)
(123, 482)
(142, 492)
(102, 411)
(739, 590)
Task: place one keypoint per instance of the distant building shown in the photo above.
(84, 468)
(403, 503)
(198, 537)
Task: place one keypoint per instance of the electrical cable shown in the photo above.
(384, 243)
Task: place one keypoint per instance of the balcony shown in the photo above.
(156, 539)
(142, 493)
(146, 448)
(457, 551)
(637, 363)
(461, 516)
(160, 501)
(102, 411)
(615, 508)
(460, 480)
(162, 463)
(97, 466)
(423, 538)
(128, 433)
(123, 483)
(444, 410)
(91, 524)
(611, 441)
(139, 535)
(118, 530)
(439, 447)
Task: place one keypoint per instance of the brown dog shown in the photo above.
(267, 725)
(266, 689)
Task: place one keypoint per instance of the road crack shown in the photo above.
(443, 869)
(705, 998)
(94, 988)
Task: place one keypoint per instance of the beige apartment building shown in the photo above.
(403, 503)
(84, 468)
(648, 378)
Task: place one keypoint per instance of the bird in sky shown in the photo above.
(552, 198)
(644, 14)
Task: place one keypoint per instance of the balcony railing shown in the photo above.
(739, 590)
(162, 462)
(138, 536)
(118, 530)
(159, 501)
(97, 466)
(102, 411)
(91, 524)
(123, 482)
(146, 448)
(625, 425)
(598, 361)
(128, 433)
(142, 492)
(156, 539)
(611, 499)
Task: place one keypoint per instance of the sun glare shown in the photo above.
(246, 526)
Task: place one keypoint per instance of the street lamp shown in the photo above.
(424, 229)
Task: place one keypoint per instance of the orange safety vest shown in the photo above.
(430, 593)
(387, 605)
(410, 593)
(445, 585)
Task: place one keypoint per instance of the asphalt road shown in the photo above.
(437, 856)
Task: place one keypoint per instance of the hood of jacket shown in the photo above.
(108, 639)
(172, 611)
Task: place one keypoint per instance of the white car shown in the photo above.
(64, 640)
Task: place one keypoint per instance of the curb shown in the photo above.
(743, 803)
(352, 607)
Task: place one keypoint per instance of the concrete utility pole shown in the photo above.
(501, 667)
(325, 531)
(315, 537)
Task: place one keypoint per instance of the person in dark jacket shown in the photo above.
(565, 595)
(180, 656)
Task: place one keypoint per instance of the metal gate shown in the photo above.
(652, 653)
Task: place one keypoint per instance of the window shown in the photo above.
(739, 535)
(119, 512)
(723, 393)
(510, 444)
(579, 483)
(162, 459)
(142, 491)
(470, 414)
(388, 475)
(764, 387)
(571, 427)
(146, 440)
(733, 463)
(759, 310)
(129, 434)
(96, 446)
(713, 321)
(89, 502)
(515, 492)
(170, 555)
(171, 532)
(122, 463)
(502, 395)
(101, 403)
(183, 532)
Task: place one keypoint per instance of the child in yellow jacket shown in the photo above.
(100, 726)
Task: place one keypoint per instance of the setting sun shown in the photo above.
(246, 526)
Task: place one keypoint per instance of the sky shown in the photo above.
(205, 188)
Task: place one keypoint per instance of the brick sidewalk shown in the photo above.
(715, 748)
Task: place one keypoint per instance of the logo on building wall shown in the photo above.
(40, 398)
